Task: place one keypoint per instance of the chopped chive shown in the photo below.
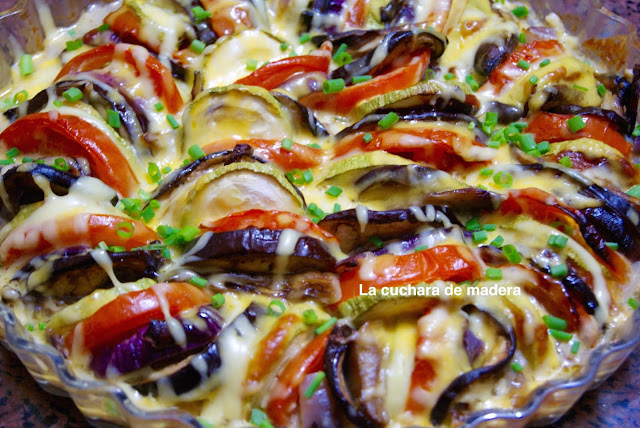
(153, 172)
(388, 120)
(520, 12)
(533, 79)
(295, 176)
(634, 191)
(334, 191)
(158, 106)
(336, 207)
(304, 38)
(6, 161)
(479, 236)
(559, 271)
(473, 224)
(562, 336)
(61, 165)
(103, 27)
(342, 59)
(125, 229)
(565, 161)
(284, 46)
(172, 121)
(144, 195)
(286, 144)
(580, 88)
(57, 103)
(486, 172)
(73, 45)
(276, 308)
(113, 118)
(13, 152)
(72, 94)
(30, 327)
(315, 210)
(512, 254)
(198, 281)
(554, 323)
(493, 144)
(153, 203)
(516, 367)
(558, 241)
(367, 138)
(472, 126)
(42, 326)
(252, 64)
(471, 81)
(332, 86)
(147, 214)
(633, 303)
(307, 176)
(26, 65)
(195, 152)
(489, 227)
(449, 76)
(376, 241)
(503, 179)
(197, 46)
(612, 245)
(200, 14)
(315, 383)
(601, 89)
(361, 79)
(527, 142)
(205, 423)
(314, 145)
(523, 64)
(341, 49)
(27, 159)
(497, 242)
(20, 97)
(326, 325)
(421, 248)
(545, 62)
(493, 273)
(543, 147)
(259, 419)
(575, 346)
(576, 123)
(309, 317)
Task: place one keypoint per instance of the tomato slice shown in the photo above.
(300, 156)
(137, 57)
(509, 71)
(343, 102)
(270, 349)
(421, 378)
(284, 395)
(126, 24)
(275, 73)
(446, 262)
(440, 148)
(60, 134)
(80, 229)
(228, 17)
(357, 14)
(553, 128)
(273, 220)
(118, 318)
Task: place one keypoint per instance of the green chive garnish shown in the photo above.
(633, 303)
(479, 236)
(376, 241)
(125, 229)
(73, 45)
(286, 144)
(315, 383)
(72, 94)
(252, 64)
(498, 241)
(200, 14)
(612, 245)
(473, 224)
(601, 89)
(449, 76)
(580, 88)
(520, 12)
(543, 147)
(26, 65)
(575, 346)
(367, 138)
(486, 172)
(259, 419)
(307, 176)
(516, 367)
(471, 81)
(388, 121)
(562, 336)
(13, 152)
(576, 123)
(503, 179)
(559, 271)
(158, 106)
(337, 207)
(545, 62)
(61, 165)
(334, 191)
(103, 27)
(557, 241)
(197, 46)
(512, 254)
(523, 64)
(332, 86)
(554, 323)
(361, 79)
(198, 281)
(172, 121)
(533, 79)
(421, 248)
(565, 161)
(276, 308)
(327, 325)
(195, 152)
(113, 118)
(304, 38)
(493, 273)
(309, 317)
(489, 227)
(634, 191)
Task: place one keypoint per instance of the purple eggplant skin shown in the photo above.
(73, 272)
(340, 340)
(472, 345)
(253, 250)
(467, 199)
(301, 115)
(204, 31)
(22, 190)
(154, 344)
(386, 225)
(397, 12)
(491, 54)
(576, 288)
(506, 113)
(318, 411)
(441, 408)
(629, 97)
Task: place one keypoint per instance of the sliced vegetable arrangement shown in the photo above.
(324, 215)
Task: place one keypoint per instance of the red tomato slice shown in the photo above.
(270, 349)
(357, 14)
(275, 73)
(446, 262)
(227, 17)
(273, 220)
(60, 134)
(440, 148)
(422, 377)
(553, 128)
(136, 56)
(129, 311)
(126, 24)
(342, 102)
(300, 156)
(284, 395)
(509, 71)
(63, 232)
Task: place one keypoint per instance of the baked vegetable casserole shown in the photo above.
(323, 213)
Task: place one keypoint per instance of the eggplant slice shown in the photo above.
(75, 272)
(19, 188)
(255, 250)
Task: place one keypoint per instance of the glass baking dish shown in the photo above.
(602, 35)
